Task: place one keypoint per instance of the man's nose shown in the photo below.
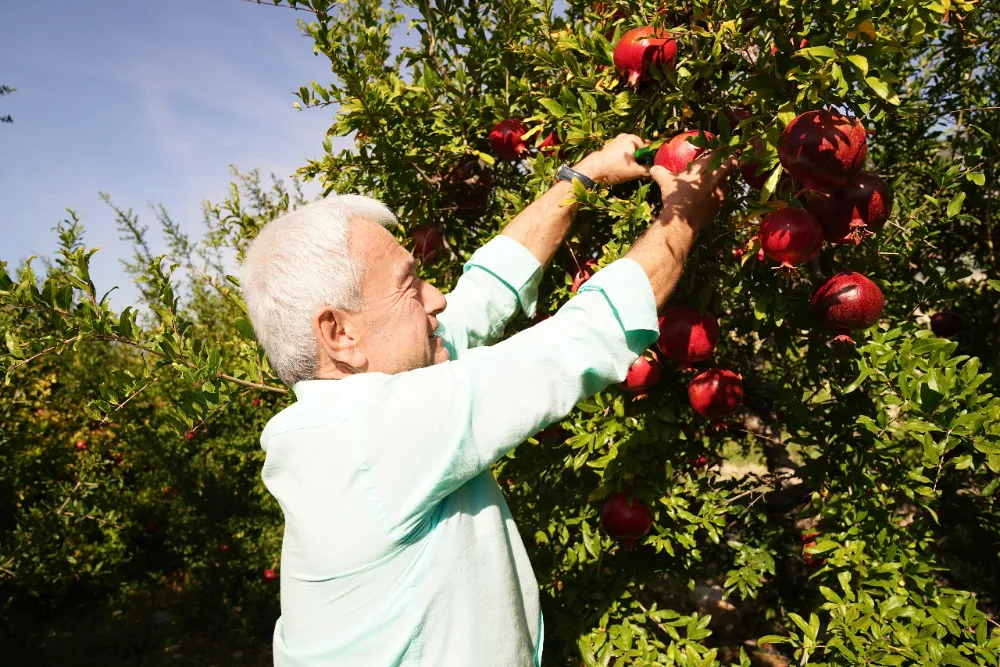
(433, 299)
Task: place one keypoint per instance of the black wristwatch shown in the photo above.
(567, 174)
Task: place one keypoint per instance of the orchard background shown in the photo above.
(846, 514)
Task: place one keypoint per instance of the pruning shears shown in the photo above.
(645, 155)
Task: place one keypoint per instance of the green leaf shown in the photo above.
(860, 62)
(818, 52)
(245, 329)
(773, 639)
(554, 107)
(882, 89)
(770, 185)
(976, 177)
(955, 205)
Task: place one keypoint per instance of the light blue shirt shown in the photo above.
(399, 548)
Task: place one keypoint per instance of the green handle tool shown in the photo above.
(645, 155)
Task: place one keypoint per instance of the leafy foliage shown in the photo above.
(846, 515)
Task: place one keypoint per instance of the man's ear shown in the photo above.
(338, 343)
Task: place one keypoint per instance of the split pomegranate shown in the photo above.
(626, 519)
(822, 148)
(687, 335)
(506, 141)
(640, 50)
(678, 153)
(467, 188)
(427, 243)
(642, 374)
(791, 236)
(851, 212)
(716, 393)
(946, 323)
(846, 302)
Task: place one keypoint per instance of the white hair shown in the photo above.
(299, 263)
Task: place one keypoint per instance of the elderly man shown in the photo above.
(399, 548)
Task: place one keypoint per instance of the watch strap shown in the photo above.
(567, 174)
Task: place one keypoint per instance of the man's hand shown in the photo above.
(615, 163)
(694, 195)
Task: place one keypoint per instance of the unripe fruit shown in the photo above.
(687, 335)
(626, 519)
(678, 153)
(822, 149)
(791, 236)
(846, 302)
(641, 49)
(716, 393)
(946, 323)
(506, 141)
(642, 374)
(428, 241)
(270, 575)
(853, 211)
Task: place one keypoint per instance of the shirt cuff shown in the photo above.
(513, 265)
(626, 287)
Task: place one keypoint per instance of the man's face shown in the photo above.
(400, 314)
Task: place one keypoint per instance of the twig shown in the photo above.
(45, 351)
(254, 385)
(66, 502)
(298, 9)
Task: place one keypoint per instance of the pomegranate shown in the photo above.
(270, 575)
(81, 445)
(223, 548)
(256, 402)
(946, 323)
(583, 274)
(641, 49)
(738, 254)
(803, 43)
(791, 236)
(748, 170)
(551, 433)
(716, 393)
(808, 541)
(626, 519)
(698, 462)
(642, 374)
(846, 302)
(505, 139)
(822, 148)
(687, 335)
(552, 144)
(427, 242)
(467, 188)
(851, 212)
(678, 153)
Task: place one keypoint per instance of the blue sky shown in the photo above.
(145, 101)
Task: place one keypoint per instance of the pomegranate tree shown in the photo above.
(506, 139)
(687, 335)
(467, 188)
(716, 393)
(642, 374)
(846, 302)
(678, 153)
(853, 211)
(640, 50)
(626, 518)
(822, 148)
(791, 236)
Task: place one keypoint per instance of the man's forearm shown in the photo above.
(542, 226)
(661, 252)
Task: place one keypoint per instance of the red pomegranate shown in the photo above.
(642, 374)
(687, 335)
(467, 189)
(81, 445)
(738, 254)
(641, 49)
(552, 144)
(678, 153)
(626, 519)
(583, 274)
(791, 236)
(505, 139)
(223, 548)
(698, 462)
(851, 212)
(716, 393)
(822, 148)
(427, 242)
(846, 302)
(946, 323)
(270, 575)
(809, 541)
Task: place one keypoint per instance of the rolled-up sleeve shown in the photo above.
(455, 419)
(500, 277)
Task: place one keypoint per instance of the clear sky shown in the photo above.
(147, 100)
